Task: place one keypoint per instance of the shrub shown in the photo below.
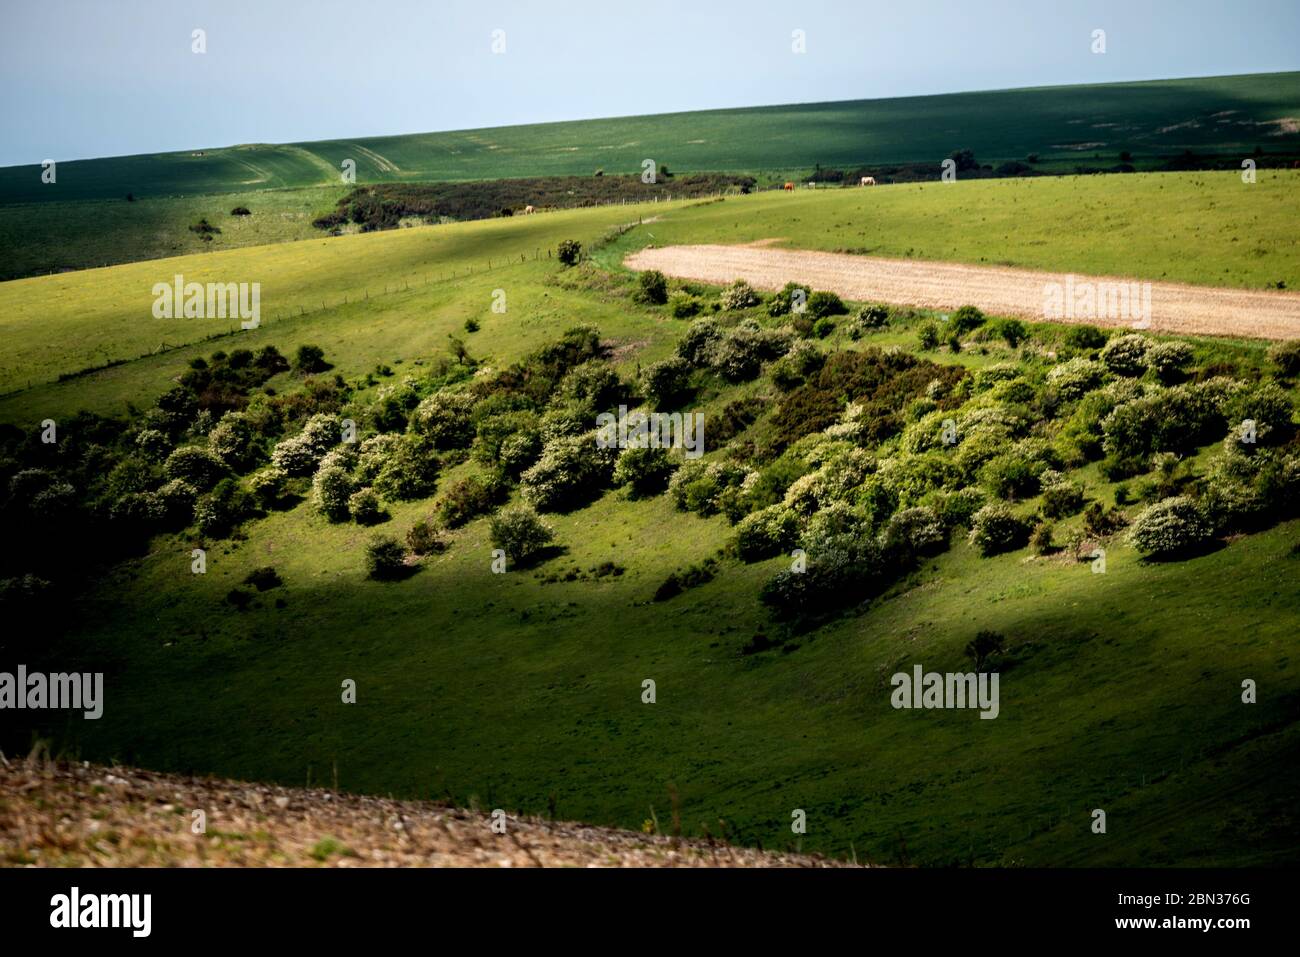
(232, 441)
(385, 559)
(793, 369)
(469, 498)
(1169, 360)
(966, 320)
(927, 336)
(645, 470)
(520, 533)
(1285, 356)
(594, 383)
(767, 532)
(446, 418)
(1041, 540)
(330, 489)
(219, 512)
(914, 532)
(572, 471)
(1061, 497)
(1015, 473)
(697, 485)
(519, 452)
(739, 295)
(1011, 331)
(822, 304)
(364, 506)
(868, 319)
(322, 432)
(195, 465)
(684, 306)
(792, 297)
(1084, 338)
(268, 485)
(423, 539)
(294, 456)
(241, 211)
(697, 344)
(310, 359)
(664, 383)
(1076, 377)
(995, 529)
(739, 356)
(652, 287)
(985, 645)
(569, 252)
(1126, 355)
(1169, 528)
(823, 327)
(409, 471)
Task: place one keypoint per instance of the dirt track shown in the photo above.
(1000, 290)
(74, 815)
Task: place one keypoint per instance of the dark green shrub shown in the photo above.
(822, 304)
(423, 539)
(310, 359)
(966, 320)
(386, 559)
(645, 470)
(569, 252)
(996, 529)
(652, 287)
(520, 533)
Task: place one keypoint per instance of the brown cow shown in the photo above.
(789, 187)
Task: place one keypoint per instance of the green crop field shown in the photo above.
(1063, 125)
(523, 690)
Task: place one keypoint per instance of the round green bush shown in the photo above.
(1126, 355)
(767, 532)
(520, 532)
(385, 559)
(1169, 528)
(996, 529)
(364, 506)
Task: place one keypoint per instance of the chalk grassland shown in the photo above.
(1186, 227)
(1064, 126)
(52, 325)
(523, 691)
(91, 816)
(52, 237)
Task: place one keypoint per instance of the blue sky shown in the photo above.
(82, 78)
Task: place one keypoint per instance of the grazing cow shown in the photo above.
(868, 181)
(789, 187)
(529, 209)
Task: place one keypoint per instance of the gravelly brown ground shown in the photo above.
(1000, 290)
(91, 816)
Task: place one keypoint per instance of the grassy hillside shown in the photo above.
(1064, 126)
(523, 690)
(1191, 227)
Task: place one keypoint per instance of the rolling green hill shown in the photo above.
(1065, 126)
(523, 690)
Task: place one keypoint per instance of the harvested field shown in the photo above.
(83, 815)
(1175, 307)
